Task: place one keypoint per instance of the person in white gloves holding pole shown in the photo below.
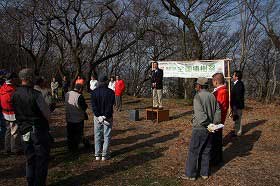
(102, 101)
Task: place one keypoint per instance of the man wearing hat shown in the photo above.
(12, 137)
(102, 101)
(75, 107)
(32, 115)
(206, 111)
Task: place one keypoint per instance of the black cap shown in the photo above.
(103, 79)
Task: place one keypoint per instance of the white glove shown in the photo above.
(211, 127)
(106, 122)
(101, 119)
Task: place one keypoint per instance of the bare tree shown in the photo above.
(198, 16)
(262, 70)
(32, 36)
(266, 13)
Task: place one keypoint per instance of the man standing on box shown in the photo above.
(157, 76)
(32, 115)
(237, 101)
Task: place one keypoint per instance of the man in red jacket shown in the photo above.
(221, 94)
(12, 137)
(119, 90)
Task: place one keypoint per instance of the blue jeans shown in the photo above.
(199, 153)
(102, 132)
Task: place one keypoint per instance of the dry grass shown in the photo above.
(147, 153)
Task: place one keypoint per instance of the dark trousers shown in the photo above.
(12, 137)
(2, 131)
(75, 133)
(64, 91)
(217, 148)
(37, 156)
(118, 100)
(199, 153)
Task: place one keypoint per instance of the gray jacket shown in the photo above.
(206, 109)
(75, 107)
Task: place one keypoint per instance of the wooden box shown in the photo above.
(157, 114)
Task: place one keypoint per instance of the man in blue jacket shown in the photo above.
(102, 101)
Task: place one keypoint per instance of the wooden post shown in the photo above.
(229, 85)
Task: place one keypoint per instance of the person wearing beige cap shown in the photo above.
(32, 115)
(206, 111)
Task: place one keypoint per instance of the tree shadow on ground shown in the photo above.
(242, 145)
(65, 156)
(60, 132)
(131, 102)
(148, 143)
(123, 165)
(107, 170)
(131, 139)
(246, 128)
(14, 172)
(180, 115)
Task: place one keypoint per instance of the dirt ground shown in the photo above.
(148, 153)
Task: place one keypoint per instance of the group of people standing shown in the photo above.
(105, 96)
(25, 116)
(206, 146)
(26, 112)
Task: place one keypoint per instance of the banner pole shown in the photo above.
(229, 85)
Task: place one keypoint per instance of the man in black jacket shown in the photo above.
(237, 101)
(32, 115)
(157, 76)
(102, 102)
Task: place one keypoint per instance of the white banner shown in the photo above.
(191, 69)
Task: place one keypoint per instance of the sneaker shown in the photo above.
(104, 158)
(184, 177)
(204, 177)
(98, 158)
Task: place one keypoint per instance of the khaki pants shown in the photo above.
(12, 137)
(237, 122)
(157, 98)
